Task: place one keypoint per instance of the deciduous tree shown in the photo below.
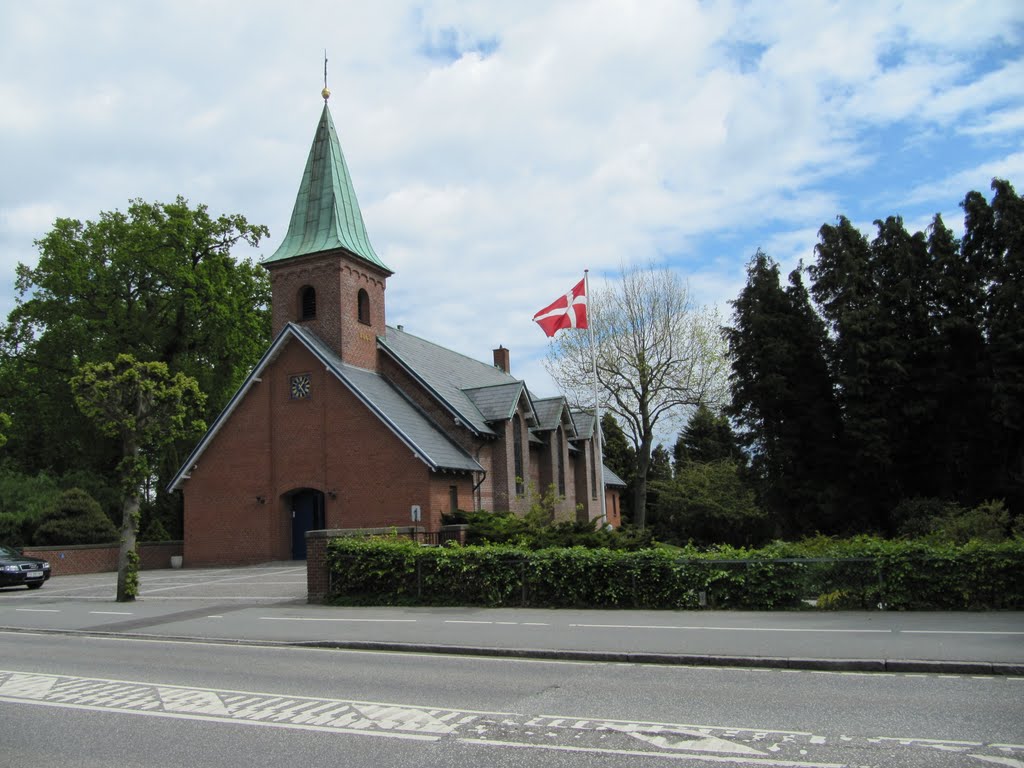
(657, 355)
(144, 407)
(159, 282)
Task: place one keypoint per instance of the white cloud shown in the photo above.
(497, 149)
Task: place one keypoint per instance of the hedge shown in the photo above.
(857, 573)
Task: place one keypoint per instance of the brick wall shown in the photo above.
(337, 279)
(99, 558)
(274, 446)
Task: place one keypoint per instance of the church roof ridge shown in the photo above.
(326, 215)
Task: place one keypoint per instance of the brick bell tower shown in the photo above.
(325, 275)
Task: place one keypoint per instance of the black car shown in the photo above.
(16, 569)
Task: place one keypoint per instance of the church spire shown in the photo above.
(326, 215)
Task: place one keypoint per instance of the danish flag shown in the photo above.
(568, 311)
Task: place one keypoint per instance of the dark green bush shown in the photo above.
(154, 531)
(15, 530)
(854, 573)
(74, 517)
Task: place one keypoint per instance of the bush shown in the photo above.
(15, 530)
(74, 518)
(709, 503)
(154, 531)
(106, 492)
(23, 499)
(530, 532)
(864, 572)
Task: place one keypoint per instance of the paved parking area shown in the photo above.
(267, 583)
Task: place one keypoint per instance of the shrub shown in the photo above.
(155, 531)
(24, 498)
(530, 532)
(74, 518)
(865, 572)
(15, 530)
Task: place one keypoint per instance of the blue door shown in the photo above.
(307, 515)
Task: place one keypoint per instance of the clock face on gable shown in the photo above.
(298, 386)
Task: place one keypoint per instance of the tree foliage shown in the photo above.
(706, 437)
(907, 382)
(144, 407)
(709, 503)
(783, 398)
(158, 282)
(656, 354)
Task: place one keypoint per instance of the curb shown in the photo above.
(904, 666)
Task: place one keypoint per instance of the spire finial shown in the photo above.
(326, 92)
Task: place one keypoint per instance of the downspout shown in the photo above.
(483, 476)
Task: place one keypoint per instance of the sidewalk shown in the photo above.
(266, 605)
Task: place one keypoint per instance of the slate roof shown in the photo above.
(454, 379)
(549, 413)
(497, 402)
(584, 423)
(326, 214)
(611, 479)
(398, 413)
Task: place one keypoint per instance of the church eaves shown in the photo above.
(326, 215)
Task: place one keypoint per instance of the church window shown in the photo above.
(517, 450)
(364, 307)
(561, 464)
(308, 301)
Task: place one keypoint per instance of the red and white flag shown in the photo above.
(568, 311)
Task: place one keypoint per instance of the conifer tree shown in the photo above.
(782, 399)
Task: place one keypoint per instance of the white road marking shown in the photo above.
(957, 632)
(729, 629)
(210, 719)
(38, 610)
(1008, 761)
(708, 744)
(734, 759)
(313, 618)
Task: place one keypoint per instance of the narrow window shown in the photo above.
(593, 471)
(453, 498)
(308, 310)
(561, 464)
(517, 449)
(364, 307)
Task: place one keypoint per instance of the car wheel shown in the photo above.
(34, 586)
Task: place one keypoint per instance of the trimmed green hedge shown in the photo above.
(856, 573)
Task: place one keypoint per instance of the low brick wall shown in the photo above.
(318, 574)
(99, 558)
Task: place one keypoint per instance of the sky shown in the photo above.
(499, 148)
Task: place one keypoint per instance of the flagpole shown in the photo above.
(599, 469)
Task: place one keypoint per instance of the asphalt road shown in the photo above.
(128, 701)
(267, 604)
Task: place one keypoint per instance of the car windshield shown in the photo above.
(8, 552)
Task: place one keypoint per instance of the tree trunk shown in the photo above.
(129, 524)
(127, 563)
(643, 464)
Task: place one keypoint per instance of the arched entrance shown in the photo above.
(307, 510)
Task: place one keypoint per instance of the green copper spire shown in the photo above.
(326, 214)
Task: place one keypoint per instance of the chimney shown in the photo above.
(501, 359)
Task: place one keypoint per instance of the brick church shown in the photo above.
(347, 422)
